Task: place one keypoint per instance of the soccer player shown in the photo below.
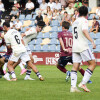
(14, 40)
(65, 37)
(81, 50)
(29, 35)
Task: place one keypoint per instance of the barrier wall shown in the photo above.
(51, 58)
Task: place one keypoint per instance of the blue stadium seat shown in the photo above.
(97, 42)
(89, 43)
(91, 16)
(31, 47)
(2, 48)
(70, 28)
(97, 49)
(24, 29)
(38, 41)
(98, 35)
(33, 18)
(55, 23)
(60, 29)
(58, 48)
(37, 48)
(21, 17)
(32, 42)
(40, 35)
(53, 41)
(47, 35)
(54, 29)
(93, 36)
(32, 24)
(28, 17)
(45, 48)
(54, 35)
(52, 48)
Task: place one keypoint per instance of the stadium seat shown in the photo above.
(70, 28)
(28, 17)
(38, 41)
(33, 18)
(52, 48)
(47, 35)
(58, 48)
(32, 42)
(40, 35)
(60, 29)
(32, 24)
(54, 29)
(37, 48)
(97, 42)
(31, 47)
(21, 17)
(45, 48)
(93, 36)
(24, 29)
(91, 16)
(2, 48)
(54, 35)
(53, 41)
(55, 23)
(98, 35)
(97, 49)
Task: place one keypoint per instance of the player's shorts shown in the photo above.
(62, 61)
(86, 55)
(6, 56)
(28, 50)
(23, 56)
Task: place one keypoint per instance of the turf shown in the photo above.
(53, 88)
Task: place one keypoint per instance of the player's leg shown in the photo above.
(89, 57)
(26, 58)
(76, 63)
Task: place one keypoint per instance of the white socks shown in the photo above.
(5, 67)
(21, 66)
(73, 78)
(87, 75)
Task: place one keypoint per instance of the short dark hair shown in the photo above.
(83, 11)
(65, 24)
(7, 24)
(41, 24)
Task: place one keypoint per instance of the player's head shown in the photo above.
(65, 25)
(94, 20)
(40, 25)
(6, 25)
(83, 11)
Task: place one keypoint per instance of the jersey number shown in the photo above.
(75, 32)
(69, 42)
(17, 39)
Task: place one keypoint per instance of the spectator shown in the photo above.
(57, 5)
(51, 4)
(46, 19)
(62, 10)
(77, 4)
(49, 13)
(55, 14)
(65, 18)
(16, 4)
(1, 8)
(18, 25)
(38, 18)
(43, 6)
(63, 2)
(70, 10)
(75, 16)
(29, 7)
(98, 11)
(95, 26)
(14, 12)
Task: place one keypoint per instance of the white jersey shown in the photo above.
(13, 38)
(30, 34)
(80, 42)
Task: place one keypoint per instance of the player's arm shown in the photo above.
(89, 38)
(86, 33)
(62, 45)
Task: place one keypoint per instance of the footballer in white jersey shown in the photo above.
(81, 50)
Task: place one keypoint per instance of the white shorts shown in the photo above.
(23, 56)
(28, 50)
(86, 55)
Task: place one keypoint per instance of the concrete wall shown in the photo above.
(92, 3)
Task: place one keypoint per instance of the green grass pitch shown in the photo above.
(53, 88)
